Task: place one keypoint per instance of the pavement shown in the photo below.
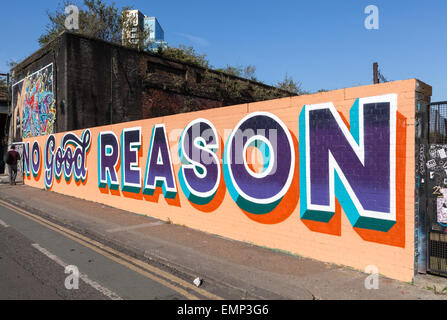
(229, 269)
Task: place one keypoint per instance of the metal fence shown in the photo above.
(437, 248)
(437, 241)
(438, 123)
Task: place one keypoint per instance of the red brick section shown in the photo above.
(157, 103)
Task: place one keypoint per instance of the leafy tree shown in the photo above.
(96, 19)
(186, 55)
(107, 22)
(290, 85)
(12, 63)
(234, 71)
(247, 72)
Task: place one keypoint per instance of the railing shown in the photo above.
(438, 123)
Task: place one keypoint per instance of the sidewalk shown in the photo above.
(4, 178)
(248, 271)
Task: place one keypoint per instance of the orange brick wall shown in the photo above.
(336, 242)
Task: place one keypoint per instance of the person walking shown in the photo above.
(12, 159)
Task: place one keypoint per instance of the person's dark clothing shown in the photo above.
(12, 159)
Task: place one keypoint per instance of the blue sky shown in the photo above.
(321, 43)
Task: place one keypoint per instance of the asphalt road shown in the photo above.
(34, 257)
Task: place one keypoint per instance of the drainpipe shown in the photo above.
(111, 89)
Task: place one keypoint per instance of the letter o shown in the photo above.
(35, 159)
(259, 193)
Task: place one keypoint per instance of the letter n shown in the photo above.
(356, 165)
(26, 159)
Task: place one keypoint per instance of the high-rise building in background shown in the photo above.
(156, 34)
(133, 26)
(138, 24)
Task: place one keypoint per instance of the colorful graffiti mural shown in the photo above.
(34, 108)
(442, 208)
(356, 165)
(298, 178)
(436, 167)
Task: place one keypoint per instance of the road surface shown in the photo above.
(42, 260)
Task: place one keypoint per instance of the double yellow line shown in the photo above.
(164, 278)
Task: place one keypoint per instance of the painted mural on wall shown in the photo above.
(356, 165)
(34, 105)
(442, 208)
(436, 167)
(308, 178)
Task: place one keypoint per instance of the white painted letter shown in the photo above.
(372, 21)
(372, 281)
(72, 281)
(72, 20)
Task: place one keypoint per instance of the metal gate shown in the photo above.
(436, 166)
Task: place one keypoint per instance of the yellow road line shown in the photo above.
(119, 257)
(58, 229)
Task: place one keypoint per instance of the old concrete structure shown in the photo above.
(4, 111)
(84, 82)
